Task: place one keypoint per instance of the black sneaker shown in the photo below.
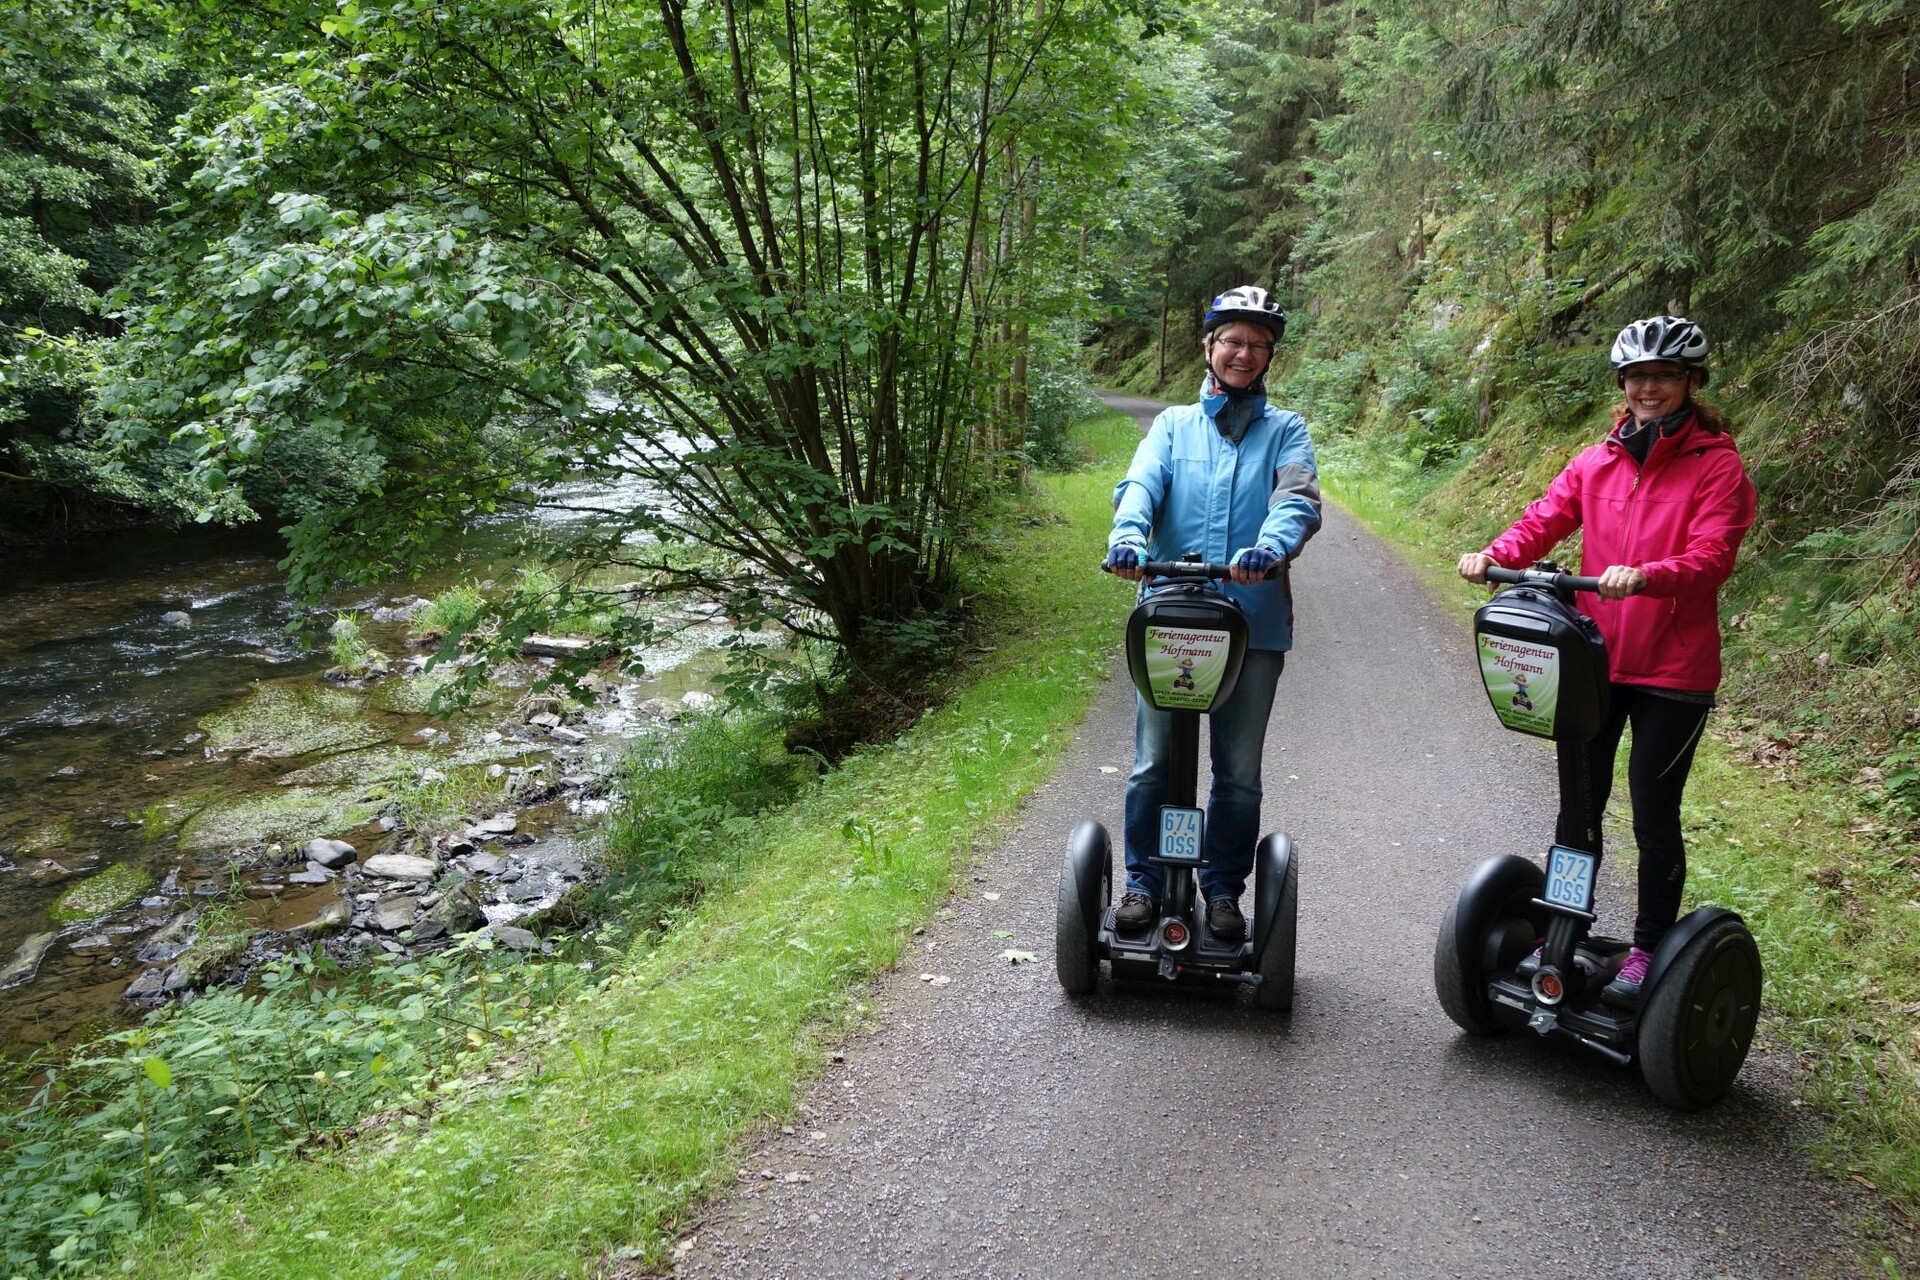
(1225, 921)
(1136, 911)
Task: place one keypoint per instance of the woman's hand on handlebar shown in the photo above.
(1620, 581)
(1124, 562)
(1251, 564)
(1474, 565)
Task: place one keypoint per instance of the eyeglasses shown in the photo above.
(1236, 346)
(1664, 378)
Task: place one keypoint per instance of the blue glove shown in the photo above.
(1255, 560)
(1121, 559)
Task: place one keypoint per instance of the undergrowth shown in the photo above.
(578, 1149)
(163, 1116)
(689, 802)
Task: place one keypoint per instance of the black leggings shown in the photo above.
(1665, 732)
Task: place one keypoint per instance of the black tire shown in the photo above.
(1698, 1021)
(1489, 926)
(1085, 889)
(1276, 912)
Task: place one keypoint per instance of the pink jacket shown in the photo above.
(1678, 519)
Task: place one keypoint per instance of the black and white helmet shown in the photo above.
(1250, 303)
(1674, 339)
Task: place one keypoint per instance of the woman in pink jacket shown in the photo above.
(1664, 501)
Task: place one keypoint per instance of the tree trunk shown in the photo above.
(1166, 301)
(1564, 316)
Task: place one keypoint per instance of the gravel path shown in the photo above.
(992, 1126)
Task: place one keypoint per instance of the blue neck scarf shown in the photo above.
(1233, 411)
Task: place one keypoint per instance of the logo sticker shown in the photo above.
(1523, 680)
(1184, 667)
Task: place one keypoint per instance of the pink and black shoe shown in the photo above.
(1625, 987)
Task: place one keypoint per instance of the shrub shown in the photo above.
(1328, 393)
(1056, 399)
(685, 799)
(349, 648)
(452, 612)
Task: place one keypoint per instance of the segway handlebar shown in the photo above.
(1555, 580)
(1191, 570)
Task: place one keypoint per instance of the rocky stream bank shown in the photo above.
(328, 812)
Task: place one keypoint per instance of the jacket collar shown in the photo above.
(1232, 412)
(1686, 433)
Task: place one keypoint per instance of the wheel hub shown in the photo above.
(1719, 1019)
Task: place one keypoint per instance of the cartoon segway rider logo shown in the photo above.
(1184, 680)
(1520, 698)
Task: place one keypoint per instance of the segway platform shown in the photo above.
(1171, 948)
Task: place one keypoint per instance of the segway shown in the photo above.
(1544, 665)
(1186, 642)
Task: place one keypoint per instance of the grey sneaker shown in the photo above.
(1136, 911)
(1225, 921)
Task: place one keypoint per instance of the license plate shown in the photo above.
(1180, 831)
(1570, 878)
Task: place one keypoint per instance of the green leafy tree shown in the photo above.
(1259, 82)
(85, 92)
(754, 268)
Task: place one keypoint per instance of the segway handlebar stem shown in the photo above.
(1555, 580)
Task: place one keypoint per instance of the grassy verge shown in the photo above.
(581, 1155)
(1826, 886)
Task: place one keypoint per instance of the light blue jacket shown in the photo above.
(1192, 488)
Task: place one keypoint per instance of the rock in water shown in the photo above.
(26, 960)
(553, 647)
(400, 610)
(516, 938)
(400, 866)
(459, 911)
(394, 912)
(486, 864)
(157, 982)
(334, 915)
(173, 938)
(331, 854)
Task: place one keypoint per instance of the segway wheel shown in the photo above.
(1276, 916)
(1698, 1021)
(1490, 925)
(1085, 889)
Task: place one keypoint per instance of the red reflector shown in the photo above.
(1176, 934)
(1550, 986)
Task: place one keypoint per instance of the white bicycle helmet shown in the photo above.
(1674, 339)
(1250, 303)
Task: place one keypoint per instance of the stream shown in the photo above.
(158, 718)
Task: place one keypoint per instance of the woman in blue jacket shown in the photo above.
(1229, 476)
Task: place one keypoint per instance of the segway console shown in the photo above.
(1186, 642)
(1515, 949)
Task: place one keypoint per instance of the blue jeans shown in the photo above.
(1237, 735)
